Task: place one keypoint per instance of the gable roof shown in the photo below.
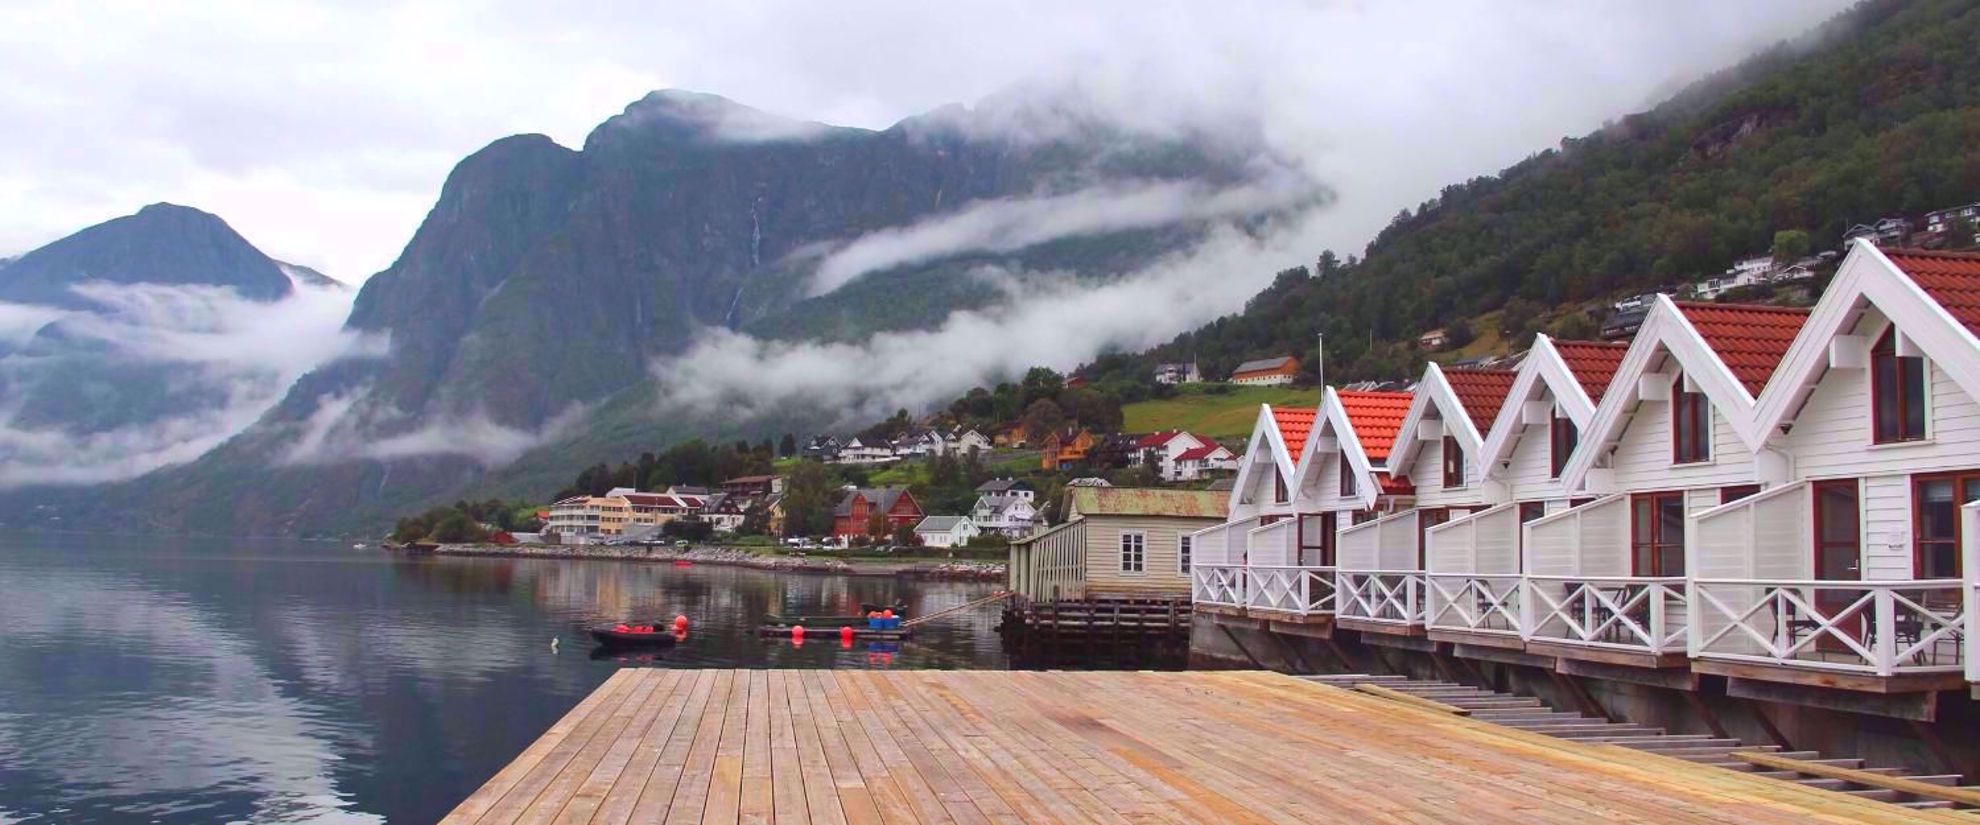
(1136, 501)
(1481, 392)
(1592, 363)
(883, 498)
(1951, 278)
(1293, 424)
(1268, 444)
(1932, 297)
(1749, 339)
(1264, 365)
(1376, 417)
(999, 485)
(939, 524)
(1203, 452)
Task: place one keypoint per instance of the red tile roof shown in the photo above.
(1211, 448)
(1294, 424)
(1376, 417)
(1481, 392)
(1394, 485)
(1153, 440)
(1951, 278)
(1593, 363)
(1750, 339)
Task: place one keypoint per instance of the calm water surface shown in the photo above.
(200, 680)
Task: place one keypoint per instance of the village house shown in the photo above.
(1116, 542)
(724, 512)
(860, 451)
(1941, 225)
(1178, 373)
(946, 531)
(1065, 448)
(1007, 516)
(1207, 461)
(856, 510)
(1161, 451)
(1265, 372)
(823, 448)
(963, 442)
(759, 486)
(1010, 435)
(1885, 232)
(1433, 340)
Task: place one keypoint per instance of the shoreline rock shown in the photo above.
(944, 570)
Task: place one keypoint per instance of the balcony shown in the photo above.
(1217, 585)
(1617, 619)
(1473, 591)
(1380, 587)
(1300, 591)
(1875, 629)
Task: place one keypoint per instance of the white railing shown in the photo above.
(1762, 536)
(1218, 584)
(1392, 596)
(1590, 540)
(1620, 613)
(1875, 627)
(1387, 543)
(1273, 544)
(1291, 589)
(1475, 602)
(1219, 544)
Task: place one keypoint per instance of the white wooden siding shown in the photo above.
(1886, 527)
(1642, 458)
(1159, 574)
(1529, 468)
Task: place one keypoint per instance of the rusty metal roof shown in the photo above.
(1135, 501)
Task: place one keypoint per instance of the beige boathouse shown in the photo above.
(1116, 542)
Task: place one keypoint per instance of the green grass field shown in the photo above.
(1227, 416)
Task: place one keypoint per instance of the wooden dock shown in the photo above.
(667, 746)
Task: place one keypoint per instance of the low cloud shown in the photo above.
(1061, 325)
(222, 359)
(1009, 224)
(354, 426)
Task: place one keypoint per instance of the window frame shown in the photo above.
(1139, 555)
(1185, 552)
(1959, 480)
(1349, 486)
(1557, 455)
(1695, 446)
(1652, 545)
(1452, 455)
(1884, 352)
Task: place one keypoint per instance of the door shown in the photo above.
(1656, 529)
(1316, 540)
(1838, 557)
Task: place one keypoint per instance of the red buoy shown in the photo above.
(797, 631)
(846, 634)
(680, 624)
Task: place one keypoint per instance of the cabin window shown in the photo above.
(1280, 494)
(1935, 523)
(1530, 510)
(1691, 424)
(1134, 552)
(1183, 548)
(1897, 393)
(1348, 489)
(1656, 531)
(1453, 463)
(1561, 439)
(1728, 495)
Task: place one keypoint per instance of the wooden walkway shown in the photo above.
(685, 746)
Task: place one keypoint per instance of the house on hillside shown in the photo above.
(946, 531)
(1266, 372)
(754, 486)
(1178, 373)
(1208, 461)
(1013, 487)
(1433, 340)
(724, 512)
(856, 510)
(1116, 542)
(1886, 232)
(963, 442)
(1065, 448)
(822, 448)
(1940, 225)
(1010, 435)
(1005, 514)
(860, 451)
(1163, 450)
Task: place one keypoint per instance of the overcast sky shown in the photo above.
(322, 131)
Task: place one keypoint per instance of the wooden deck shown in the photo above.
(656, 745)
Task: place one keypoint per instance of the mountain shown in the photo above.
(546, 281)
(162, 244)
(303, 276)
(1876, 112)
(140, 342)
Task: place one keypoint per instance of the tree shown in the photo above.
(1043, 418)
(457, 527)
(1791, 245)
(787, 447)
(1575, 326)
(876, 525)
(905, 536)
(692, 529)
(808, 500)
(755, 520)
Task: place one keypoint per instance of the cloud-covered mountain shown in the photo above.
(549, 284)
(147, 340)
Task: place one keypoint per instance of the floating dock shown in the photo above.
(857, 747)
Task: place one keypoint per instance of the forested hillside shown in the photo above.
(1877, 112)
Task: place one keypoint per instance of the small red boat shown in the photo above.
(633, 635)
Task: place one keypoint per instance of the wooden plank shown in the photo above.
(1242, 747)
(1809, 677)
(1923, 790)
(1917, 707)
(1418, 701)
(485, 797)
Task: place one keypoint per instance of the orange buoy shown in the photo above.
(887, 614)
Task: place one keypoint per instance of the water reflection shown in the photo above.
(203, 681)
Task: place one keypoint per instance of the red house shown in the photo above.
(856, 510)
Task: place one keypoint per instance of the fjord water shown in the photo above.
(214, 680)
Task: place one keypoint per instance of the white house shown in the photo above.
(963, 442)
(1007, 487)
(946, 531)
(1163, 450)
(1178, 373)
(858, 451)
(1010, 514)
(1203, 462)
